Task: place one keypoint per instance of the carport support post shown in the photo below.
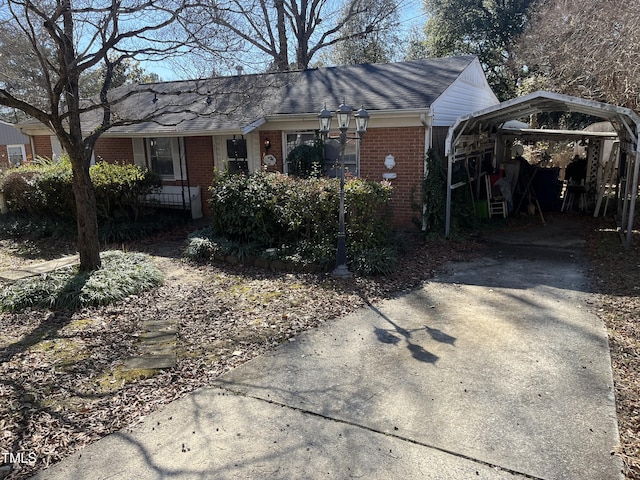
(634, 191)
(447, 221)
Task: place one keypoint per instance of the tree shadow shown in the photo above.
(439, 336)
(49, 327)
(389, 337)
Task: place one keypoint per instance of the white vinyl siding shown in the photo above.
(470, 92)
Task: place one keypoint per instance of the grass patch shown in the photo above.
(122, 274)
(113, 380)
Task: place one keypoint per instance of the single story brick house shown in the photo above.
(252, 122)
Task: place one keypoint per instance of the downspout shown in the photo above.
(427, 120)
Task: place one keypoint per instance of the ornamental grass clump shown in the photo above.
(122, 274)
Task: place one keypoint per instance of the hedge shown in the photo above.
(44, 188)
(299, 216)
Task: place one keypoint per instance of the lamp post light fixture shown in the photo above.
(343, 115)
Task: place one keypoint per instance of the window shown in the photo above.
(162, 155)
(295, 139)
(332, 158)
(331, 152)
(17, 155)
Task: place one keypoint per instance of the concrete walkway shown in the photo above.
(10, 275)
(494, 370)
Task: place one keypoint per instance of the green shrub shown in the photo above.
(35, 227)
(305, 161)
(463, 216)
(44, 188)
(121, 189)
(375, 261)
(122, 274)
(40, 188)
(242, 206)
(435, 195)
(298, 216)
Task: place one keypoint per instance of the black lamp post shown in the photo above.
(343, 114)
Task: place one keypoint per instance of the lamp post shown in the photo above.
(343, 115)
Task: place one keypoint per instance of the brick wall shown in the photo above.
(406, 144)
(200, 166)
(42, 145)
(114, 150)
(275, 137)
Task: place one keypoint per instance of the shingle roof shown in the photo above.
(389, 86)
(237, 101)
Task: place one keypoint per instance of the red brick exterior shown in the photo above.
(42, 144)
(275, 138)
(406, 144)
(114, 150)
(200, 166)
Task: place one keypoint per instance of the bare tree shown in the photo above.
(269, 26)
(378, 46)
(583, 48)
(66, 39)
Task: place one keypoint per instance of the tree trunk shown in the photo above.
(86, 215)
(282, 60)
(79, 152)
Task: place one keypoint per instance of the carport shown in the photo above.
(488, 134)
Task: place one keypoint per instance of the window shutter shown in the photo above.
(138, 152)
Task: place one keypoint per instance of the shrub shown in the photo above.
(242, 206)
(299, 216)
(435, 194)
(41, 188)
(122, 274)
(45, 188)
(121, 189)
(305, 161)
(463, 216)
(375, 261)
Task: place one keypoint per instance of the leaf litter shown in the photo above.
(53, 404)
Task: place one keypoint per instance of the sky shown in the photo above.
(411, 16)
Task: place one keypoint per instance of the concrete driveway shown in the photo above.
(496, 369)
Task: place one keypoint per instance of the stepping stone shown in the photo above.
(157, 345)
(150, 362)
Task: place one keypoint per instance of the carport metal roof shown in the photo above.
(484, 122)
